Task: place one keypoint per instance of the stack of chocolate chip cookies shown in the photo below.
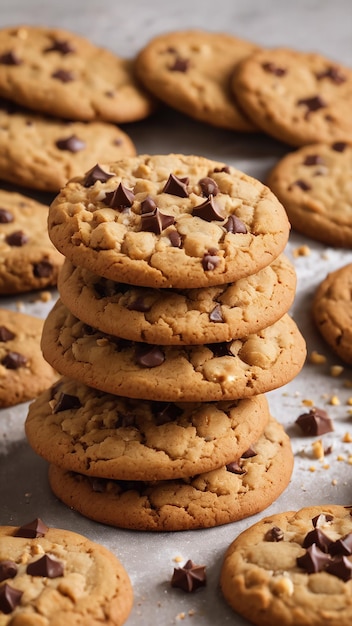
(171, 326)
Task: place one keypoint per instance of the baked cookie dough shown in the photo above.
(170, 316)
(242, 488)
(53, 577)
(222, 371)
(60, 73)
(43, 153)
(28, 259)
(313, 184)
(332, 311)
(98, 434)
(297, 97)
(168, 221)
(24, 373)
(191, 70)
(292, 568)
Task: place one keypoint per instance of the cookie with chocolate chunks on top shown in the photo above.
(168, 221)
(231, 370)
(50, 575)
(29, 261)
(298, 97)
(313, 183)
(24, 373)
(242, 488)
(100, 434)
(292, 568)
(60, 73)
(171, 316)
(42, 153)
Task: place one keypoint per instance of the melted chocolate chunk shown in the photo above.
(225, 169)
(43, 269)
(319, 538)
(274, 534)
(179, 65)
(156, 222)
(272, 68)
(208, 186)
(301, 184)
(61, 45)
(33, 529)
(120, 198)
(340, 567)
(139, 304)
(312, 104)
(46, 566)
(216, 314)
(63, 75)
(248, 454)
(14, 360)
(95, 174)
(9, 598)
(72, 144)
(313, 159)
(8, 569)
(175, 239)
(66, 402)
(208, 211)
(189, 577)
(6, 334)
(342, 546)
(17, 239)
(148, 205)
(210, 260)
(235, 225)
(6, 216)
(314, 560)
(235, 468)
(10, 58)
(165, 412)
(316, 422)
(176, 186)
(220, 349)
(339, 146)
(149, 356)
(334, 74)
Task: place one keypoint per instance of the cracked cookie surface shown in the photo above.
(233, 492)
(98, 434)
(168, 221)
(171, 316)
(222, 371)
(262, 580)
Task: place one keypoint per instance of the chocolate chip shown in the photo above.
(149, 356)
(5, 216)
(180, 65)
(148, 205)
(208, 211)
(175, 239)
(301, 184)
(339, 146)
(316, 422)
(314, 560)
(9, 598)
(342, 546)
(235, 468)
(225, 169)
(10, 58)
(67, 402)
(120, 198)
(46, 566)
(220, 349)
(216, 314)
(319, 538)
(176, 186)
(165, 412)
(208, 186)
(95, 174)
(189, 577)
(248, 454)
(8, 569)
(341, 568)
(6, 334)
(313, 104)
(321, 520)
(272, 68)
(313, 159)
(17, 239)
(14, 360)
(334, 73)
(274, 534)
(139, 304)
(61, 45)
(210, 261)
(63, 75)
(33, 529)
(235, 225)
(72, 144)
(156, 222)
(43, 269)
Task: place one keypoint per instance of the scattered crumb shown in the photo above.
(308, 402)
(178, 559)
(191, 612)
(318, 449)
(20, 306)
(347, 438)
(349, 460)
(316, 358)
(348, 383)
(349, 401)
(334, 482)
(45, 296)
(326, 466)
(336, 370)
(312, 468)
(335, 401)
(181, 616)
(341, 457)
(301, 251)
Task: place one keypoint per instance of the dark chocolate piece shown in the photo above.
(274, 534)
(61, 45)
(148, 205)
(176, 186)
(189, 577)
(10, 58)
(301, 184)
(340, 567)
(14, 360)
(216, 314)
(156, 222)
(313, 159)
(316, 422)
(120, 198)
(314, 560)
(235, 225)
(208, 211)
(180, 65)
(149, 356)
(165, 412)
(46, 566)
(95, 174)
(9, 598)
(321, 520)
(139, 304)
(175, 238)
(319, 538)
(235, 468)
(248, 454)
(312, 104)
(334, 73)
(64, 75)
(210, 260)
(339, 146)
(66, 402)
(72, 144)
(341, 546)
(8, 569)
(220, 349)
(6, 334)
(17, 239)
(33, 529)
(5, 216)
(272, 68)
(208, 186)
(43, 269)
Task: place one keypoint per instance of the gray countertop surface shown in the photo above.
(125, 27)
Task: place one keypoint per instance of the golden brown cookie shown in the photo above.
(242, 488)
(293, 568)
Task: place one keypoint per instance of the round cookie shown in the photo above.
(313, 184)
(332, 311)
(86, 431)
(222, 371)
(29, 261)
(297, 97)
(24, 373)
(52, 576)
(189, 316)
(168, 221)
(43, 153)
(191, 70)
(262, 580)
(58, 72)
(233, 492)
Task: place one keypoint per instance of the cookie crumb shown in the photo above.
(347, 438)
(308, 402)
(178, 559)
(334, 401)
(336, 370)
(312, 468)
(316, 358)
(318, 449)
(341, 457)
(349, 401)
(334, 482)
(301, 251)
